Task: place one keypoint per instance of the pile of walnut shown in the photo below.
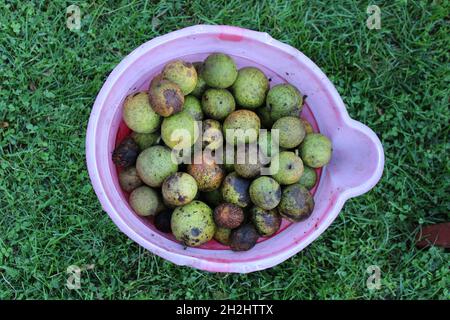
(205, 199)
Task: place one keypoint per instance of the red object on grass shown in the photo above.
(434, 235)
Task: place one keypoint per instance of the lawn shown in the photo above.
(395, 80)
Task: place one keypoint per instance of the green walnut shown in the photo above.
(181, 73)
(219, 71)
(291, 131)
(250, 87)
(315, 150)
(218, 103)
(201, 85)
(241, 126)
(179, 131)
(193, 107)
(265, 192)
(296, 203)
(139, 115)
(266, 222)
(129, 179)
(235, 190)
(179, 189)
(308, 178)
(222, 235)
(166, 97)
(193, 224)
(145, 201)
(284, 100)
(286, 167)
(145, 140)
(155, 164)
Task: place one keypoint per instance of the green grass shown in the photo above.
(395, 80)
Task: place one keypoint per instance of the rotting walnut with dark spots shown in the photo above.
(193, 224)
(243, 238)
(296, 204)
(206, 172)
(126, 153)
(179, 189)
(266, 222)
(166, 97)
(182, 73)
(228, 215)
(235, 189)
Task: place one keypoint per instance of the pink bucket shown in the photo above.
(355, 167)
